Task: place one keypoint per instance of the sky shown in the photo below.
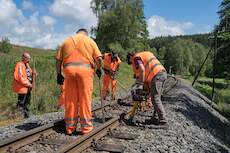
(46, 23)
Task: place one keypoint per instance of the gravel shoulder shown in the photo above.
(193, 126)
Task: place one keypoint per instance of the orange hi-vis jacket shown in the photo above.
(108, 64)
(151, 64)
(20, 82)
(78, 49)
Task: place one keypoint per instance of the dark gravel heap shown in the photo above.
(193, 126)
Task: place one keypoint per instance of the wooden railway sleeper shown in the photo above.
(115, 148)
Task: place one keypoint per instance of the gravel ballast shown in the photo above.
(193, 126)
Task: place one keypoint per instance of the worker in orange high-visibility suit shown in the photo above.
(22, 83)
(148, 70)
(78, 54)
(111, 67)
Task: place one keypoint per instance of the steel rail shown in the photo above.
(86, 140)
(20, 140)
(27, 137)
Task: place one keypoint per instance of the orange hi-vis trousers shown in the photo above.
(78, 96)
(106, 82)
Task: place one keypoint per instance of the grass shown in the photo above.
(44, 97)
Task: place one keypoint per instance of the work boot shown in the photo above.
(152, 120)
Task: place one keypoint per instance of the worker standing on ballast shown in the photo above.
(148, 70)
(78, 54)
(22, 83)
(111, 67)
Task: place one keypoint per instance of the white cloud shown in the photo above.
(159, 26)
(74, 12)
(48, 21)
(34, 31)
(27, 5)
(9, 11)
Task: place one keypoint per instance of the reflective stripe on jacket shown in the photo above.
(20, 82)
(151, 64)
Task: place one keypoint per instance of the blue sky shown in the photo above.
(201, 13)
(45, 23)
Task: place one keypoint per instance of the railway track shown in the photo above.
(52, 138)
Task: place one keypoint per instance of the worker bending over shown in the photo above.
(148, 70)
(78, 54)
(111, 67)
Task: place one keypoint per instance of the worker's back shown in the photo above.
(84, 46)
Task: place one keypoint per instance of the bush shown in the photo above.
(5, 45)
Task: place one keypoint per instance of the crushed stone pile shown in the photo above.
(194, 126)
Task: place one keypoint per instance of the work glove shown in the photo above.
(60, 79)
(98, 72)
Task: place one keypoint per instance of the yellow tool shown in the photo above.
(139, 99)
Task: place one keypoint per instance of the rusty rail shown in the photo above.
(86, 140)
(83, 142)
(23, 139)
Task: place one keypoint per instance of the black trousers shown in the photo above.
(23, 102)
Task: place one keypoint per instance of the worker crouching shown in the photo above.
(78, 55)
(111, 67)
(148, 70)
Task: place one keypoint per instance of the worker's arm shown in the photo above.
(99, 62)
(59, 62)
(141, 78)
(58, 66)
(117, 68)
(140, 66)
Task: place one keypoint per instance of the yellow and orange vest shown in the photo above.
(151, 64)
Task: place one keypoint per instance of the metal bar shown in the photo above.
(24, 141)
(102, 104)
(122, 86)
(195, 78)
(214, 68)
(85, 141)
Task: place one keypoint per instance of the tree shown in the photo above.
(184, 56)
(121, 22)
(5, 45)
(223, 40)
